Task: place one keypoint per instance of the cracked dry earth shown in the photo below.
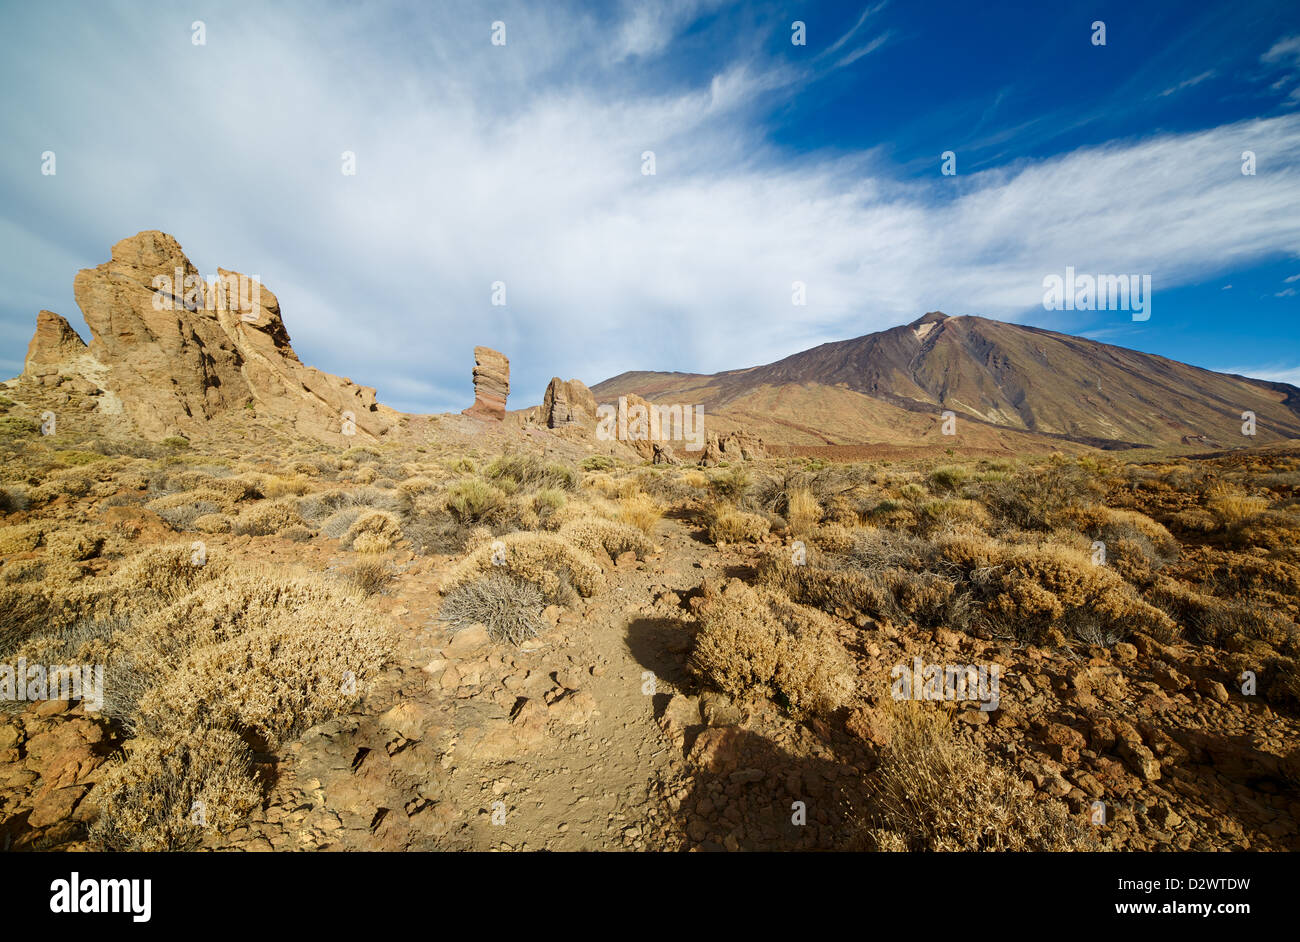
(574, 741)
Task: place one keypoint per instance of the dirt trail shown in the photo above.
(466, 744)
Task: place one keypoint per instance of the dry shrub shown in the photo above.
(369, 575)
(213, 523)
(640, 510)
(802, 511)
(181, 510)
(509, 608)
(1225, 623)
(147, 801)
(732, 484)
(293, 485)
(936, 792)
(267, 517)
(726, 524)
(74, 543)
(337, 524)
(948, 477)
(472, 501)
(413, 487)
(160, 573)
(600, 537)
(757, 640)
(21, 538)
(838, 591)
(1272, 529)
(970, 582)
(1037, 499)
(834, 538)
(1032, 589)
(549, 561)
(951, 514)
(274, 679)
(545, 504)
(1234, 510)
(376, 530)
(513, 472)
(695, 479)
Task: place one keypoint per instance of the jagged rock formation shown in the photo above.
(54, 344)
(568, 403)
(491, 384)
(176, 352)
(732, 446)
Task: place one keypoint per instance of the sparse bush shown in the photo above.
(75, 543)
(369, 575)
(267, 517)
(726, 524)
(1036, 499)
(597, 463)
(16, 426)
(600, 537)
(380, 529)
(549, 561)
(293, 485)
(754, 639)
(21, 538)
(337, 525)
(936, 792)
(1234, 510)
(528, 471)
(731, 484)
(802, 511)
(641, 511)
(472, 501)
(509, 608)
(146, 800)
(212, 523)
(273, 679)
(948, 477)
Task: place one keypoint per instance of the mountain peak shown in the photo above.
(931, 318)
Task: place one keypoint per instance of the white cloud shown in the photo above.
(1273, 372)
(1188, 83)
(523, 164)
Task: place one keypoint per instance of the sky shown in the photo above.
(524, 162)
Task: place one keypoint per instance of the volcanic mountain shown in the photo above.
(1010, 387)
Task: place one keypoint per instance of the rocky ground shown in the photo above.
(595, 736)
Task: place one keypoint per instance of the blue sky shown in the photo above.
(774, 163)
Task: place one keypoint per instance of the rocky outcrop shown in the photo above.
(568, 403)
(54, 343)
(732, 446)
(664, 454)
(57, 356)
(491, 384)
(177, 352)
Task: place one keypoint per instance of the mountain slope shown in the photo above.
(892, 386)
